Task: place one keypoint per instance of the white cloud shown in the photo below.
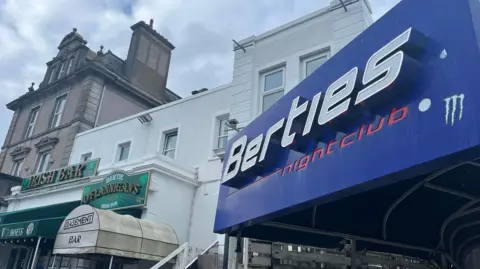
(201, 30)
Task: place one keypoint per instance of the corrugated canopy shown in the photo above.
(87, 230)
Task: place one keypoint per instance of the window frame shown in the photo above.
(311, 57)
(166, 137)
(62, 71)
(17, 168)
(30, 132)
(39, 160)
(118, 152)
(52, 76)
(54, 113)
(218, 135)
(69, 66)
(263, 76)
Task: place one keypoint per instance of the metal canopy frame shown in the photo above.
(465, 210)
(450, 249)
(355, 238)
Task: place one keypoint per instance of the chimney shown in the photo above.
(148, 60)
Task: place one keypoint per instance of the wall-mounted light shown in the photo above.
(232, 124)
(145, 118)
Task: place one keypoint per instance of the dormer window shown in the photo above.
(70, 66)
(63, 69)
(52, 75)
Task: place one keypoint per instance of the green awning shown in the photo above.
(46, 228)
(38, 213)
(38, 221)
(42, 221)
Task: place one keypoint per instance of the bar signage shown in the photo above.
(118, 190)
(69, 173)
(18, 230)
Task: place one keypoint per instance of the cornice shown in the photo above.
(153, 164)
(91, 66)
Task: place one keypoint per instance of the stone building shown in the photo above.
(83, 89)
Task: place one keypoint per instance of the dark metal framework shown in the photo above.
(457, 225)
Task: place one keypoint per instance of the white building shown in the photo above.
(182, 142)
(269, 65)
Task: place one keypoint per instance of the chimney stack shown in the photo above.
(148, 60)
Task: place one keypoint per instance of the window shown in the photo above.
(52, 75)
(123, 151)
(44, 162)
(86, 157)
(273, 85)
(32, 119)
(63, 69)
(312, 63)
(70, 66)
(170, 145)
(17, 168)
(58, 111)
(222, 133)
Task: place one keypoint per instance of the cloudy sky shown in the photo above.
(30, 31)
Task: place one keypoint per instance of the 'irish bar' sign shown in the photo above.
(62, 175)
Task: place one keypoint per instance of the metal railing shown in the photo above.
(210, 258)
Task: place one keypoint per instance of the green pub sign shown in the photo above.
(69, 173)
(18, 230)
(118, 190)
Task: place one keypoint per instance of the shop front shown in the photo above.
(27, 235)
(102, 235)
(379, 147)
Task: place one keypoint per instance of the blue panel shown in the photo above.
(438, 125)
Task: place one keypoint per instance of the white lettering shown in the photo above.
(295, 111)
(312, 113)
(333, 106)
(376, 68)
(251, 152)
(380, 72)
(277, 126)
(235, 158)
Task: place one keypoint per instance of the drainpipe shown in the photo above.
(100, 105)
(192, 207)
(226, 250)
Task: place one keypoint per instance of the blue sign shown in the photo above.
(396, 102)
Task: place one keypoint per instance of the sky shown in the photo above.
(202, 32)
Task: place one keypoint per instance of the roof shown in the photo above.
(9, 177)
(90, 66)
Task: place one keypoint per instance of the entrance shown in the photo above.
(19, 258)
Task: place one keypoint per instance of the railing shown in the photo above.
(181, 252)
(210, 258)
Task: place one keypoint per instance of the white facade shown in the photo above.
(186, 174)
(287, 49)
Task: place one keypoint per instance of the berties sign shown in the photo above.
(431, 106)
(62, 175)
(118, 190)
(344, 101)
